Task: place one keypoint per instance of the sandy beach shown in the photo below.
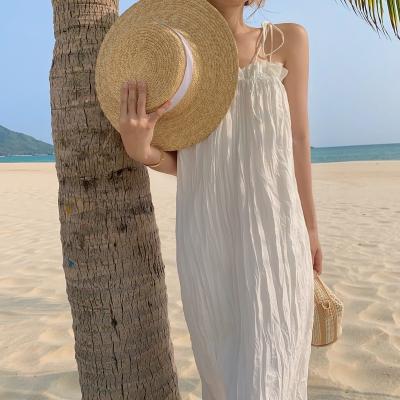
(358, 210)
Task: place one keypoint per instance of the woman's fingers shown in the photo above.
(141, 103)
(132, 99)
(123, 100)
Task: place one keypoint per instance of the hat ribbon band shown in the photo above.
(188, 75)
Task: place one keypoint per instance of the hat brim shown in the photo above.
(213, 87)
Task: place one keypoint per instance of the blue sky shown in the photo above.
(354, 73)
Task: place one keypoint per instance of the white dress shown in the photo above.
(242, 247)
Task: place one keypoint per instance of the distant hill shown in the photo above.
(16, 143)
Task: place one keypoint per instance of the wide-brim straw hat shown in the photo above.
(186, 52)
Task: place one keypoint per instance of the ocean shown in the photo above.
(389, 151)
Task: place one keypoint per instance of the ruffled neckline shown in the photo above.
(276, 68)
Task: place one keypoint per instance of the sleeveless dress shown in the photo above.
(242, 247)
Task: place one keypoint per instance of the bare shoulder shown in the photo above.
(293, 30)
(296, 40)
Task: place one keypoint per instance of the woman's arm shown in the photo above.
(296, 84)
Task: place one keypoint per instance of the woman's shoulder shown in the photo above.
(293, 30)
(295, 39)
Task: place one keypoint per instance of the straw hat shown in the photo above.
(186, 52)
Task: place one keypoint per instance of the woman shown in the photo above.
(246, 230)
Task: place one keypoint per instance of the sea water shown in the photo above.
(389, 151)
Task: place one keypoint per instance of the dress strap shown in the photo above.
(262, 43)
(266, 24)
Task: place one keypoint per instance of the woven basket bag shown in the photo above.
(328, 311)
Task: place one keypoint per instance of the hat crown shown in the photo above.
(152, 52)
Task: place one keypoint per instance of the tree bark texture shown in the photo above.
(112, 261)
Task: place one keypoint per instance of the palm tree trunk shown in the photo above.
(112, 261)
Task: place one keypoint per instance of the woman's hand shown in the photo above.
(135, 126)
(316, 251)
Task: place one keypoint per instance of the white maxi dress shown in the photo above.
(242, 246)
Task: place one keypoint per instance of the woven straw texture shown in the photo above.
(137, 48)
(328, 311)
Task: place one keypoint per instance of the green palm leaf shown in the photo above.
(373, 12)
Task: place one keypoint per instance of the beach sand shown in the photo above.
(358, 210)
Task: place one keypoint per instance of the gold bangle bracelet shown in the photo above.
(162, 155)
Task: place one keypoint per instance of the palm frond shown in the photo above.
(373, 12)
